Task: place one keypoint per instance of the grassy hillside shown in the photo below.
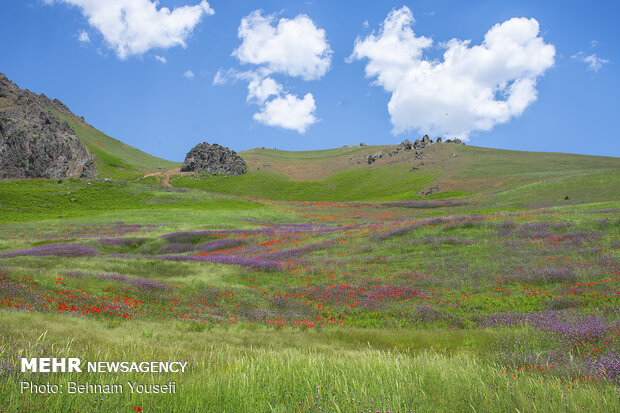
(309, 165)
(343, 174)
(389, 183)
(35, 200)
(116, 159)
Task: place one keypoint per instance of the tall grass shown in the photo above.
(271, 375)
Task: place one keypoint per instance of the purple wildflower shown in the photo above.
(253, 263)
(64, 250)
(122, 241)
(219, 244)
(283, 254)
(176, 248)
(147, 284)
(606, 365)
(113, 276)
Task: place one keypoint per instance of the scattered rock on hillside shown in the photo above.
(33, 142)
(405, 145)
(214, 159)
(372, 158)
(431, 190)
(455, 140)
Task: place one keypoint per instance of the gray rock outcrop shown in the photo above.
(372, 158)
(214, 159)
(33, 142)
(405, 145)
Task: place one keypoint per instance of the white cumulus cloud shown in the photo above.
(295, 47)
(133, 27)
(189, 74)
(290, 47)
(472, 88)
(261, 89)
(278, 107)
(161, 59)
(288, 112)
(593, 61)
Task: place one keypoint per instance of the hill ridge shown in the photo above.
(113, 158)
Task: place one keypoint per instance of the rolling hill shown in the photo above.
(113, 158)
(436, 171)
(440, 171)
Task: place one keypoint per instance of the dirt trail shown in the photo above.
(165, 176)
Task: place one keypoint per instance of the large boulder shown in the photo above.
(33, 142)
(214, 159)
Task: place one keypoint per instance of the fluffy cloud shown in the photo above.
(189, 74)
(594, 62)
(161, 59)
(261, 89)
(133, 27)
(288, 112)
(278, 107)
(295, 47)
(472, 88)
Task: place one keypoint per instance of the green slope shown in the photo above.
(576, 188)
(268, 153)
(389, 183)
(115, 159)
(530, 165)
(509, 176)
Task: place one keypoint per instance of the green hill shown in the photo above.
(115, 159)
(441, 171)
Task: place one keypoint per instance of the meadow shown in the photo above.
(503, 301)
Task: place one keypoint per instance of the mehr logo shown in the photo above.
(51, 365)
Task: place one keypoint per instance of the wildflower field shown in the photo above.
(477, 303)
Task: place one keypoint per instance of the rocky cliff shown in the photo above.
(33, 142)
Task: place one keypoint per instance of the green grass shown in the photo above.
(477, 170)
(379, 357)
(389, 183)
(576, 188)
(310, 155)
(333, 322)
(48, 199)
(529, 166)
(284, 371)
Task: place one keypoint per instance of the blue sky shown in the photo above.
(536, 76)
